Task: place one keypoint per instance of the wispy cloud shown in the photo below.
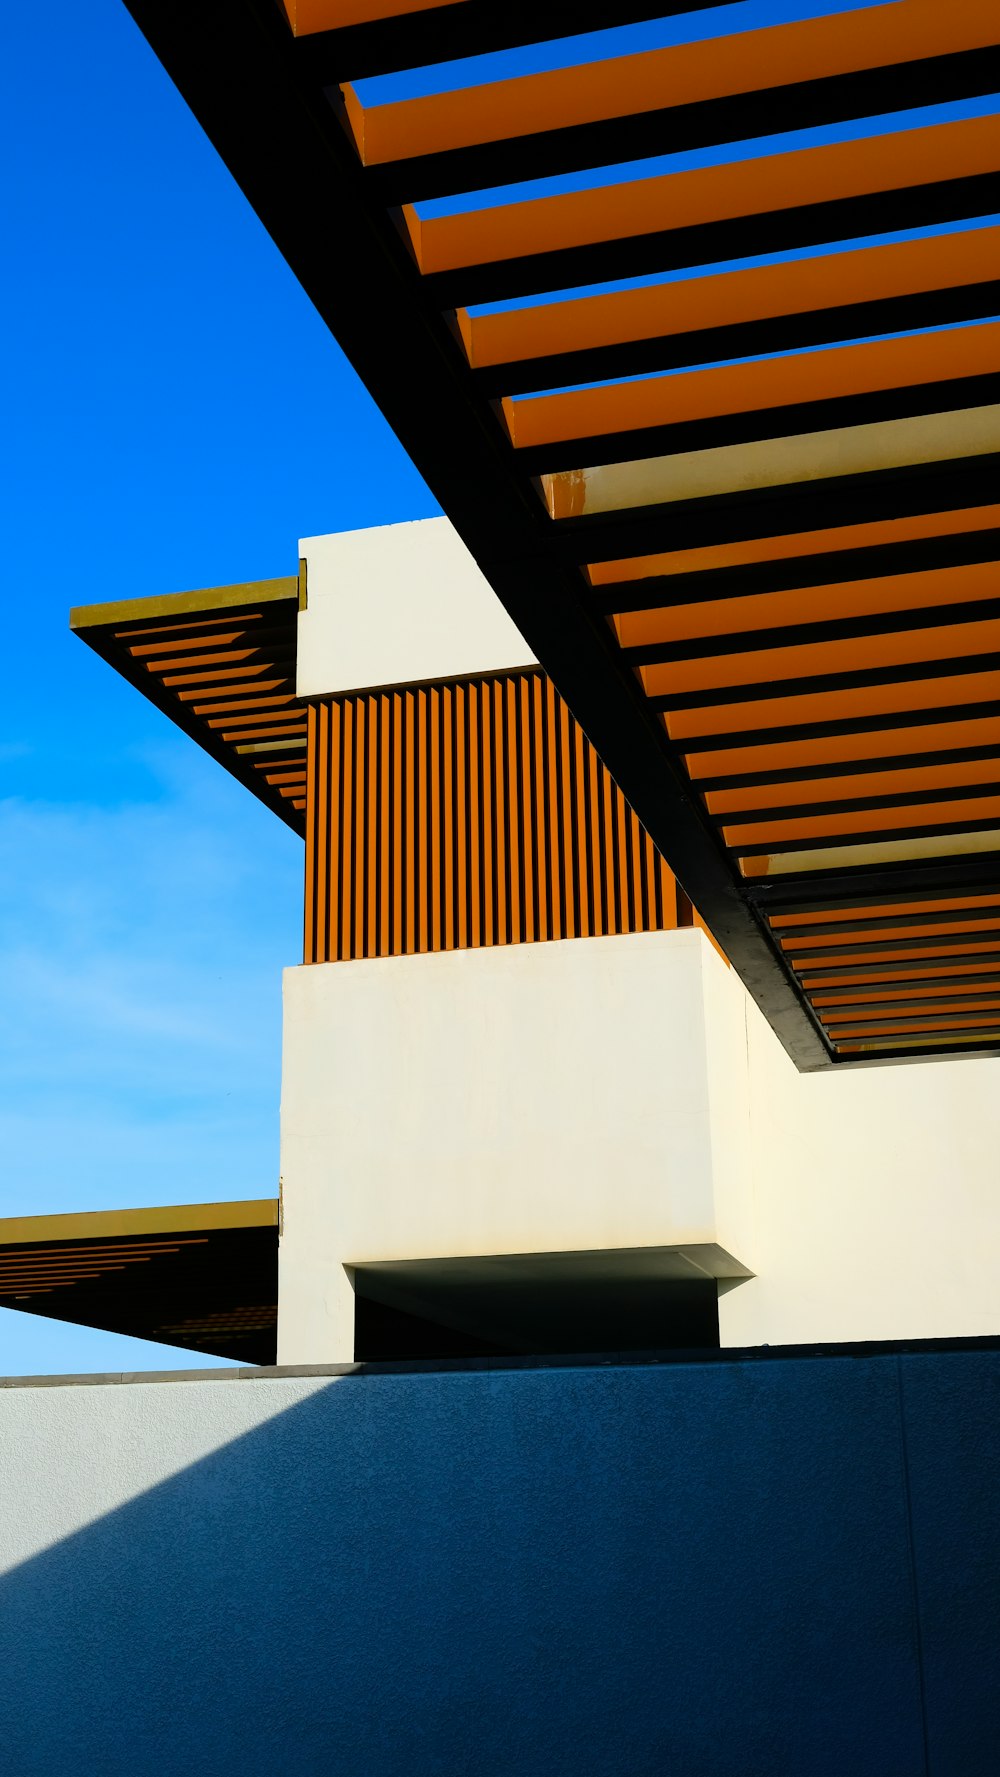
(141, 948)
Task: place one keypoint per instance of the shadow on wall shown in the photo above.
(742, 1568)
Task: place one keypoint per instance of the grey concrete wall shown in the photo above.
(780, 1566)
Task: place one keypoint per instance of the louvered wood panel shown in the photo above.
(453, 816)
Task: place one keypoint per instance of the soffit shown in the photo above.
(221, 664)
(201, 1275)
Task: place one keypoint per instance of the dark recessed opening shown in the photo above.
(384, 1335)
(522, 1308)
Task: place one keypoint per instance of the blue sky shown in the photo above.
(175, 415)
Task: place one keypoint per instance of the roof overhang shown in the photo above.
(200, 1275)
(766, 591)
(221, 664)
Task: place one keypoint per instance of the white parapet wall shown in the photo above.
(527, 1569)
(398, 604)
(534, 1098)
(617, 1094)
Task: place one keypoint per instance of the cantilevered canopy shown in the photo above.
(746, 517)
(221, 664)
(201, 1275)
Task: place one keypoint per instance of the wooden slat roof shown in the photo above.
(197, 1275)
(221, 664)
(747, 517)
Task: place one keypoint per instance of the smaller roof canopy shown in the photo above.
(201, 1275)
(221, 664)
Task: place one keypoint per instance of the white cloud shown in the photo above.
(141, 948)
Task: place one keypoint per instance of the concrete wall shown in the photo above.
(877, 1200)
(765, 1568)
(396, 604)
(532, 1098)
(624, 1092)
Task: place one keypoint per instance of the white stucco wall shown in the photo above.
(623, 1092)
(877, 1201)
(398, 604)
(523, 1099)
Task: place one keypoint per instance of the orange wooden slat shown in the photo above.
(398, 903)
(513, 803)
(553, 810)
(803, 921)
(346, 825)
(799, 945)
(740, 190)
(653, 80)
(384, 842)
(306, 17)
(970, 583)
(872, 367)
(475, 818)
(462, 865)
(608, 804)
(333, 815)
(586, 927)
(572, 927)
(599, 922)
(894, 953)
(912, 1027)
(875, 995)
(862, 976)
(528, 781)
(227, 639)
(876, 745)
(222, 666)
(873, 534)
(410, 804)
(949, 693)
(371, 846)
(834, 789)
(730, 299)
(309, 948)
(945, 1009)
(192, 695)
(769, 665)
(237, 717)
(635, 835)
(487, 815)
(436, 818)
(980, 809)
(360, 883)
(499, 792)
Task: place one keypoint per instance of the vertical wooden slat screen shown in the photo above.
(453, 816)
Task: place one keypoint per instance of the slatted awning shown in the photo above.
(725, 436)
(221, 665)
(198, 1275)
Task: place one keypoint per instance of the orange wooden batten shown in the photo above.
(309, 16)
(796, 287)
(801, 544)
(626, 86)
(839, 170)
(751, 388)
(467, 814)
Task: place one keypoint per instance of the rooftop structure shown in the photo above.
(527, 1105)
(745, 517)
(635, 1315)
